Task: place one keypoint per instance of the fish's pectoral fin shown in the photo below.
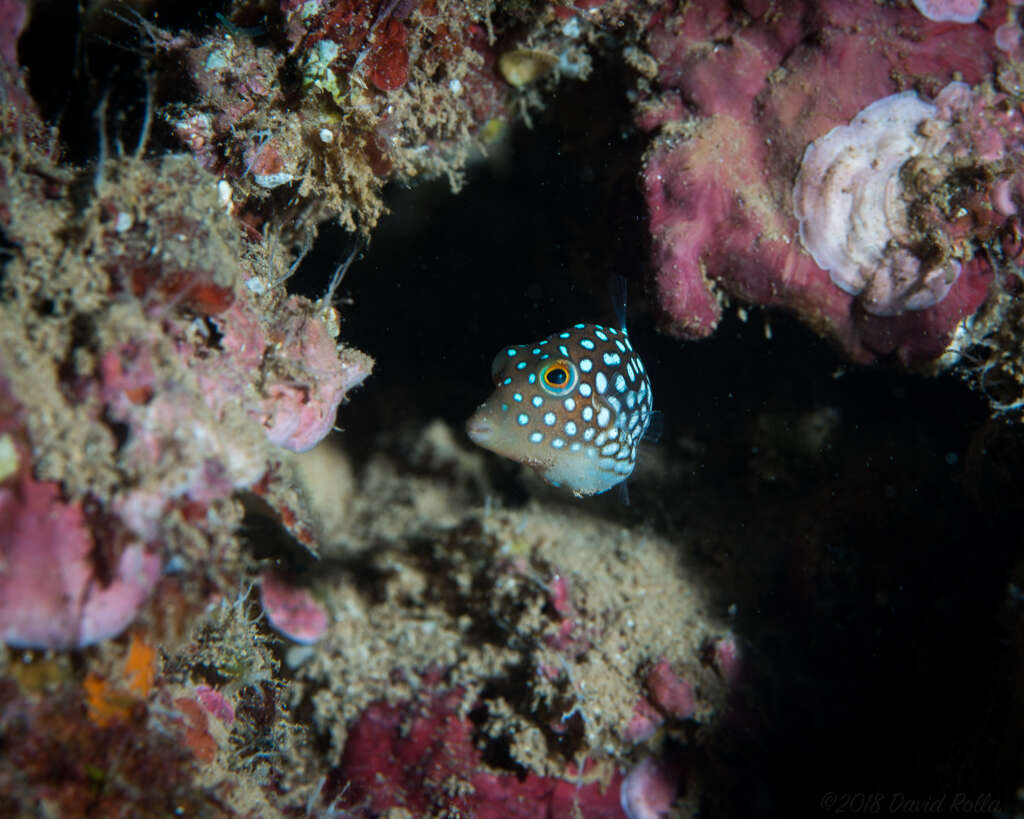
(623, 490)
(655, 426)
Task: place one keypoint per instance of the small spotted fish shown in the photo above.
(573, 406)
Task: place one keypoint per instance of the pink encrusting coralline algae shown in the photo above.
(817, 94)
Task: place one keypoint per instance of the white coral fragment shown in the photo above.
(954, 11)
(853, 207)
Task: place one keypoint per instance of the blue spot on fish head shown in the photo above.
(505, 361)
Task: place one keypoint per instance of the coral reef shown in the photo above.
(946, 179)
(140, 346)
(211, 606)
(157, 378)
(151, 369)
(353, 94)
(535, 640)
(504, 662)
(396, 754)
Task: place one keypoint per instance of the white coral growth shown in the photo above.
(853, 207)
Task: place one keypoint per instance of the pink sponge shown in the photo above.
(292, 609)
(51, 592)
(303, 375)
(739, 99)
(56, 589)
(670, 692)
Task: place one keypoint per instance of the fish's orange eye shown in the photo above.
(558, 377)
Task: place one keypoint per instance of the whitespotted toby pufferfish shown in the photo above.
(573, 406)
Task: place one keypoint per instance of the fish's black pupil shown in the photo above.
(558, 376)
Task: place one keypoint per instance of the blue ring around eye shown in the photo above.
(558, 390)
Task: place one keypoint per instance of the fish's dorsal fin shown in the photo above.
(618, 288)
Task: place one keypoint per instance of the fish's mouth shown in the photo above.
(479, 429)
